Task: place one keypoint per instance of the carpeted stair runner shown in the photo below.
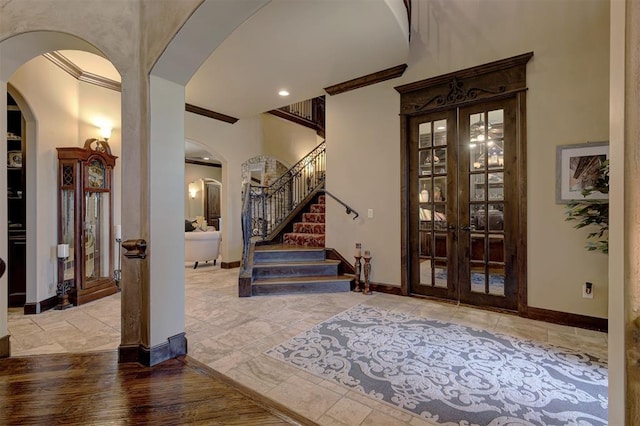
(311, 231)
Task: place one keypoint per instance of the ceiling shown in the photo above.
(300, 46)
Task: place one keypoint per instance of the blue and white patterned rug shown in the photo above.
(451, 374)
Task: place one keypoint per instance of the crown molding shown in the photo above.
(78, 73)
(202, 163)
(366, 80)
(211, 114)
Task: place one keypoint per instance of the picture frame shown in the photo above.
(577, 166)
(14, 159)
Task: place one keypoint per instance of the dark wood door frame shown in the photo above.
(493, 81)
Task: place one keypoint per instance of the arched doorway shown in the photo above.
(46, 125)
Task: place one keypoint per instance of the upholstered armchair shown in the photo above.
(201, 246)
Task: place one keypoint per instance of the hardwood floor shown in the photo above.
(92, 388)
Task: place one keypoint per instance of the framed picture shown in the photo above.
(577, 168)
(14, 159)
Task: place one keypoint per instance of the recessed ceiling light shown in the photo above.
(205, 158)
(283, 93)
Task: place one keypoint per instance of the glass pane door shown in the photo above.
(487, 204)
(464, 206)
(434, 209)
(96, 236)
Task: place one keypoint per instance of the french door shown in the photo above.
(463, 204)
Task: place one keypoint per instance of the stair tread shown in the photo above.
(298, 263)
(301, 233)
(296, 280)
(287, 248)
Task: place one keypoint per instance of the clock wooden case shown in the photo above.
(85, 201)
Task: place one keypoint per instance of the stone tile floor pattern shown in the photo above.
(230, 334)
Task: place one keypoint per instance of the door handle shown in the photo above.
(465, 228)
(451, 227)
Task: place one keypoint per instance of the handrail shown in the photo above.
(349, 209)
(246, 225)
(267, 209)
(296, 168)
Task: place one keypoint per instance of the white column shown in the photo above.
(166, 238)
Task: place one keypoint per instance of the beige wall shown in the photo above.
(286, 141)
(567, 103)
(66, 111)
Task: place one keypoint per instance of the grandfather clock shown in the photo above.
(85, 221)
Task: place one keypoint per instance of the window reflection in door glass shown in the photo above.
(440, 130)
(424, 130)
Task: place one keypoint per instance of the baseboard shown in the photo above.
(39, 307)
(384, 288)
(5, 347)
(175, 346)
(564, 318)
(230, 265)
(128, 353)
(345, 266)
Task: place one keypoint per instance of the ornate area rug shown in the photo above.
(451, 374)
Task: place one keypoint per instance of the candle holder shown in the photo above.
(367, 273)
(117, 273)
(358, 268)
(63, 288)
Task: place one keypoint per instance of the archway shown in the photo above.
(47, 124)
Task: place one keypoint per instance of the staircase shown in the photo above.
(299, 265)
(309, 232)
(283, 234)
(292, 269)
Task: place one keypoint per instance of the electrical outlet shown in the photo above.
(370, 213)
(587, 290)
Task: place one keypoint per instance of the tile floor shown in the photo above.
(230, 335)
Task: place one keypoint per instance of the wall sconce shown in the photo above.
(192, 193)
(105, 133)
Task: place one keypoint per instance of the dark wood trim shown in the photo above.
(174, 347)
(127, 353)
(405, 187)
(201, 163)
(244, 287)
(39, 307)
(539, 314)
(566, 318)
(230, 265)
(345, 266)
(386, 288)
(5, 347)
(208, 113)
(268, 404)
(294, 118)
(521, 243)
(367, 80)
(466, 73)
